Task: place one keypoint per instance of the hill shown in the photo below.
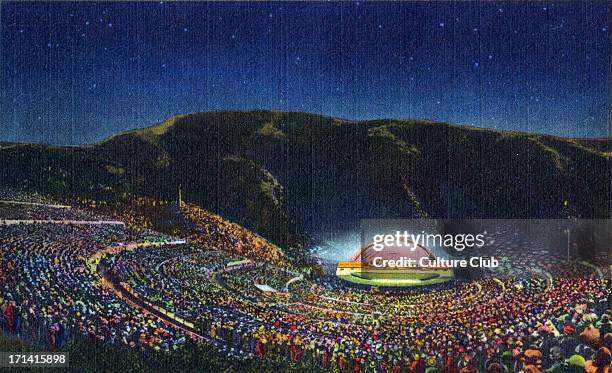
(281, 173)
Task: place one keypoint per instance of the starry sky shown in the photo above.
(74, 73)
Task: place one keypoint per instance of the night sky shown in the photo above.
(75, 73)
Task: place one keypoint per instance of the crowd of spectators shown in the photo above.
(482, 324)
(236, 290)
(213, 231)
(49, 294)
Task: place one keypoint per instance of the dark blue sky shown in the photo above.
(78, 72)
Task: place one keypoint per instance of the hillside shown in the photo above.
(282, 173)
(61, 171)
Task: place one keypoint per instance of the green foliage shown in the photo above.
(269, 129)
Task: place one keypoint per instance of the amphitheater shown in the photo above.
(220, 285)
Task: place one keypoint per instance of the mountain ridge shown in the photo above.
(285, 173)
(172, 120)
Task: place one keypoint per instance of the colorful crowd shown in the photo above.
(230, 288)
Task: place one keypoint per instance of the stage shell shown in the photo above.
(360, 268)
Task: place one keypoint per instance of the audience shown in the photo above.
(59, 281)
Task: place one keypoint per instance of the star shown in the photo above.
(185, 29)
(441, 24)
(110, 25)
(476, 64)
(87, 23)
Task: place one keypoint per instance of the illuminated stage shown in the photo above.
(364, 268)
